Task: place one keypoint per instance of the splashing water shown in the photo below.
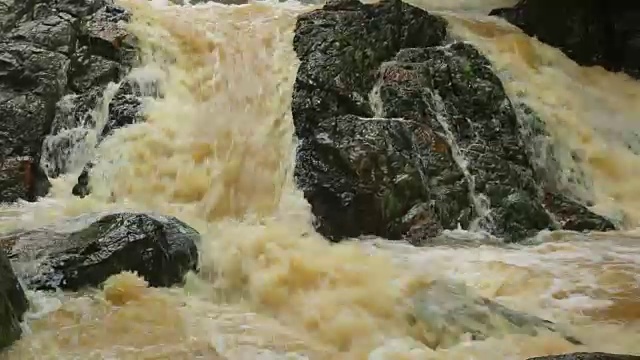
(217, 151)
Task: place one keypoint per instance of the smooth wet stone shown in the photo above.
(162, 249)
(13, 303)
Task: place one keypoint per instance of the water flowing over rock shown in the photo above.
(56, 59)
(13, 303)
(449, 310)
(162, 249)
(588, 356)
(403, 135)
(591, 32)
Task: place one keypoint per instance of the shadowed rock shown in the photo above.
(13, 303)
(591, 32)
(162, 249)
(82, 187)
(125, 108)
(573, 215)
(56, 59)
(105, 54)
(403, 135)
(555, 177)
(587, 356)
(22, 178)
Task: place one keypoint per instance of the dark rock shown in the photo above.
(162, 249)
(568, 211)
(587, 356)
(541, 146)
(55, 32)
(591, 32)
(56, 60)
(79, 8)
(402, 136)
(124, 109)
(22, 178)
(574, 216)
(24, 121)
(76, 117)
(91, 71)
(106, 37)
(13, 303)
(31, 79)
(71, 125)
(75, 111)
(27, 68)
(82, 187)
(348, 165)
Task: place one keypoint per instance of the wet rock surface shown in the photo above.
(588, 356)
(591, 32)
(556, 178)
(56, 59)
(13, 303)
(574, 216)
(162, 249)
(125, 108)
(22, 178)
(403, 135)
(450, 310)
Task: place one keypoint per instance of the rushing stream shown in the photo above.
(217, 152)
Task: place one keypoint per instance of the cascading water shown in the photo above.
(217, 151)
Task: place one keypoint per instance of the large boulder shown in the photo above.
(403, 135)
(162, 249)
(588, 356)
(56, 60)
(591, 32)
(13, 303)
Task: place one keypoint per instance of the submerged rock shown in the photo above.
(587, 356)
(403, 135)
(13, 303)
(162, 249)
(447, 311)
(591, 32)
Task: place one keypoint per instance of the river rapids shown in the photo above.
(217, 151)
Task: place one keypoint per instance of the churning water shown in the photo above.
(217, 151)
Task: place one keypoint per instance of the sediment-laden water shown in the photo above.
(217, 151)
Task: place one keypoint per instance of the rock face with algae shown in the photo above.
(404, 134)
